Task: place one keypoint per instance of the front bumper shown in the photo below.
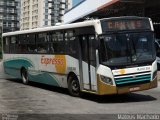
(105, 89)
(140, 87)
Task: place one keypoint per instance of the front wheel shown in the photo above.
(24, 74)
(73, 86)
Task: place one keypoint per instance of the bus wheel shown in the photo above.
(73, 86)
(24, 74)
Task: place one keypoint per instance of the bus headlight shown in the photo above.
(107, 80)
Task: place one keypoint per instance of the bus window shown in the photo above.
(31, 43)
(57, 43)
(6, 42)
(13, 44)
(88, 44)
(84, 45)
(23, 44)
(92, 50)
(27, 44)
(71, 45)
(42, 43)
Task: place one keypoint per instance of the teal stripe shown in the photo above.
(133, 81)
(128, 79)
(45, 78)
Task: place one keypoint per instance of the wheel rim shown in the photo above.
(75, 87)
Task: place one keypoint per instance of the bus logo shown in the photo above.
(122, 71)
(59, 61)
(54, 61)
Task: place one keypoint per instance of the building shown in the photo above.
(93, 9)
(9, 15)
(41, 13)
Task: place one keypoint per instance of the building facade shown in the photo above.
(9, 15)
(41, 13)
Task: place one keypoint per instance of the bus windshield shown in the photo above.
(127, 48)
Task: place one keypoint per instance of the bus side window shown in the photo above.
(51, 45)
(92, 48)
(31, 45)
(6, 41)
(42, 43)
(13, 44)
(22, 44)
(57, 42)
(71, 45)
(60, 42)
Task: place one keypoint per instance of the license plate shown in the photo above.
(134, 89)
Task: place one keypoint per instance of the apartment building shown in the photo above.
(9, 15)
(41, 13)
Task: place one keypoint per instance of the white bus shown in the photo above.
(157, 44)
(107, 56)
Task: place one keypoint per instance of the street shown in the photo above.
(17, 98)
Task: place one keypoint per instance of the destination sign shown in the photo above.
(125, 24)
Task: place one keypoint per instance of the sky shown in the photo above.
(75, 2)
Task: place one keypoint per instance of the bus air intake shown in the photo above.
(133, 79)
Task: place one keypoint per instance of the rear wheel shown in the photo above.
(73, 86)
(24, 74)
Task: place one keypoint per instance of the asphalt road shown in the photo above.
(35, 98)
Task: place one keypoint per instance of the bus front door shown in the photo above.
(88, 62)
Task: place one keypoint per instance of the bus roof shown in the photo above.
(69, 26)
(59, 27)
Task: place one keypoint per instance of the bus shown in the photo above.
(105, 56)
(157, 44)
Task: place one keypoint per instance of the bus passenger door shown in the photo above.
(88, 62)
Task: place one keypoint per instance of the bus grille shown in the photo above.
(132, 79)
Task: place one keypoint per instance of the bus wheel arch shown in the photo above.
(24, 75)
(73, 84)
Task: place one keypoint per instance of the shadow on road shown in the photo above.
(42, 86)
(125, 98)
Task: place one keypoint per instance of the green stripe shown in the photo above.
(133, 81)
(45, 78)
(128, 79)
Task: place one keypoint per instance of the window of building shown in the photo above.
(46, 10)
(46, 16)
(46, 23)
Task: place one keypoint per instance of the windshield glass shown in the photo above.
(128, 48)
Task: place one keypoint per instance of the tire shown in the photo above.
(73, 86)
(24, 75)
